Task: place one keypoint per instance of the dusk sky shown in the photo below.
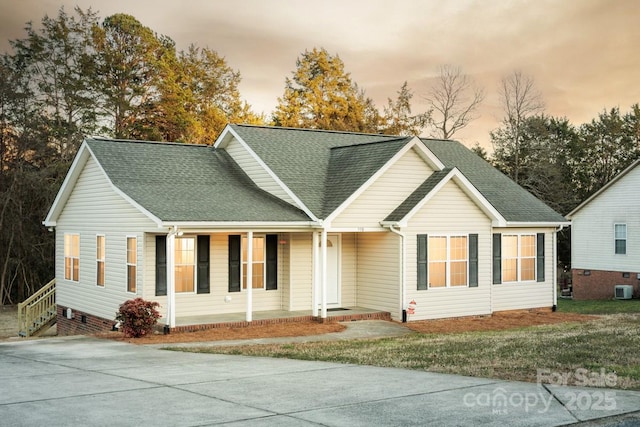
(584, 55)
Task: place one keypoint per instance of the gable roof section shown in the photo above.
(431, 186)
(515, 204)
(604, 188)
(351, 166)
(323, 168)
(187, 183)
(417, 196)
(66, 188)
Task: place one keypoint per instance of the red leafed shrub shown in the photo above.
(137, 317)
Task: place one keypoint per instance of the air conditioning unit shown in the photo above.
(623, 291)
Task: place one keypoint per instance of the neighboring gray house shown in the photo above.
(605, 249)
(273, 222)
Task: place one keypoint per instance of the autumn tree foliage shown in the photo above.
(321, 95)
(398, 120)
(76, 75)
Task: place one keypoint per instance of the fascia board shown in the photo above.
(239, 225)
(224, 137)
(468, 189)
(122, 194)
(427, 155)
(270, 172)
(532, 224)
(408, 146)
(67, 185)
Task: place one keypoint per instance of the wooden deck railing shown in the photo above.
(38, 312)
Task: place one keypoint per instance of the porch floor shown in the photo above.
(194, 323)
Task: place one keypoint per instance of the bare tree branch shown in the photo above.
(520, 99)
(454, 98)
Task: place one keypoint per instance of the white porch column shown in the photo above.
(249, 275)
(171, 278)
(323, 242)
(315, 243)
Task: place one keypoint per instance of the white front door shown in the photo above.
(333, 270)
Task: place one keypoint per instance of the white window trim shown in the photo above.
(615, 238)
(448, 262)
(103, 260)
(195, 263)
(519, 257)
(127, 264)
(64, 244)
(243, 262)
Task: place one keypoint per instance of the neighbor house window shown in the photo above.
(258, 262)
(620, 238)
(132, 262)
(518, 257)
(100, 250)
(448, 261)
(185, 264)
(71, 257)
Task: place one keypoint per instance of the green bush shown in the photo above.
(137, 317)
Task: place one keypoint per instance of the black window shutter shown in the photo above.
(234, 263)
(161, 265)
(272, 261)
(203, 264)
(540, 257)
(473, 260)
(422, 261)
(497, 258)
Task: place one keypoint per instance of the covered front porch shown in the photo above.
(264, 276)
(236, 320)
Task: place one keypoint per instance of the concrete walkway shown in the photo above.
(82, 381)
(354, 330)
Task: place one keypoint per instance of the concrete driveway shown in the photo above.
(81, 381)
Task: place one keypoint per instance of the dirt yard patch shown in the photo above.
(223, 334)
(497, 322)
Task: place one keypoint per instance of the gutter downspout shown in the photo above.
(403, 280)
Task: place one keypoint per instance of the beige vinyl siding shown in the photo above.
(385, 194)
(592, 228)
(255, 171)
(194, 304)
(378, 277)
(450, 212)
(348, 270)
(301, 271)
(523, 295)
(95, 208)
(284, 269)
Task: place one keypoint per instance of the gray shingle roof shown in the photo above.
(182, 182)
(414, 198)
(323, 167)
(305, 160)
(513, 202)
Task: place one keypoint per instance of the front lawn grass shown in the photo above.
(611, 306)
(608, 344)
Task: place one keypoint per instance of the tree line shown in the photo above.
(76, 75)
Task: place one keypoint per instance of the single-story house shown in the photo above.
(271, 221)
(604, 251)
